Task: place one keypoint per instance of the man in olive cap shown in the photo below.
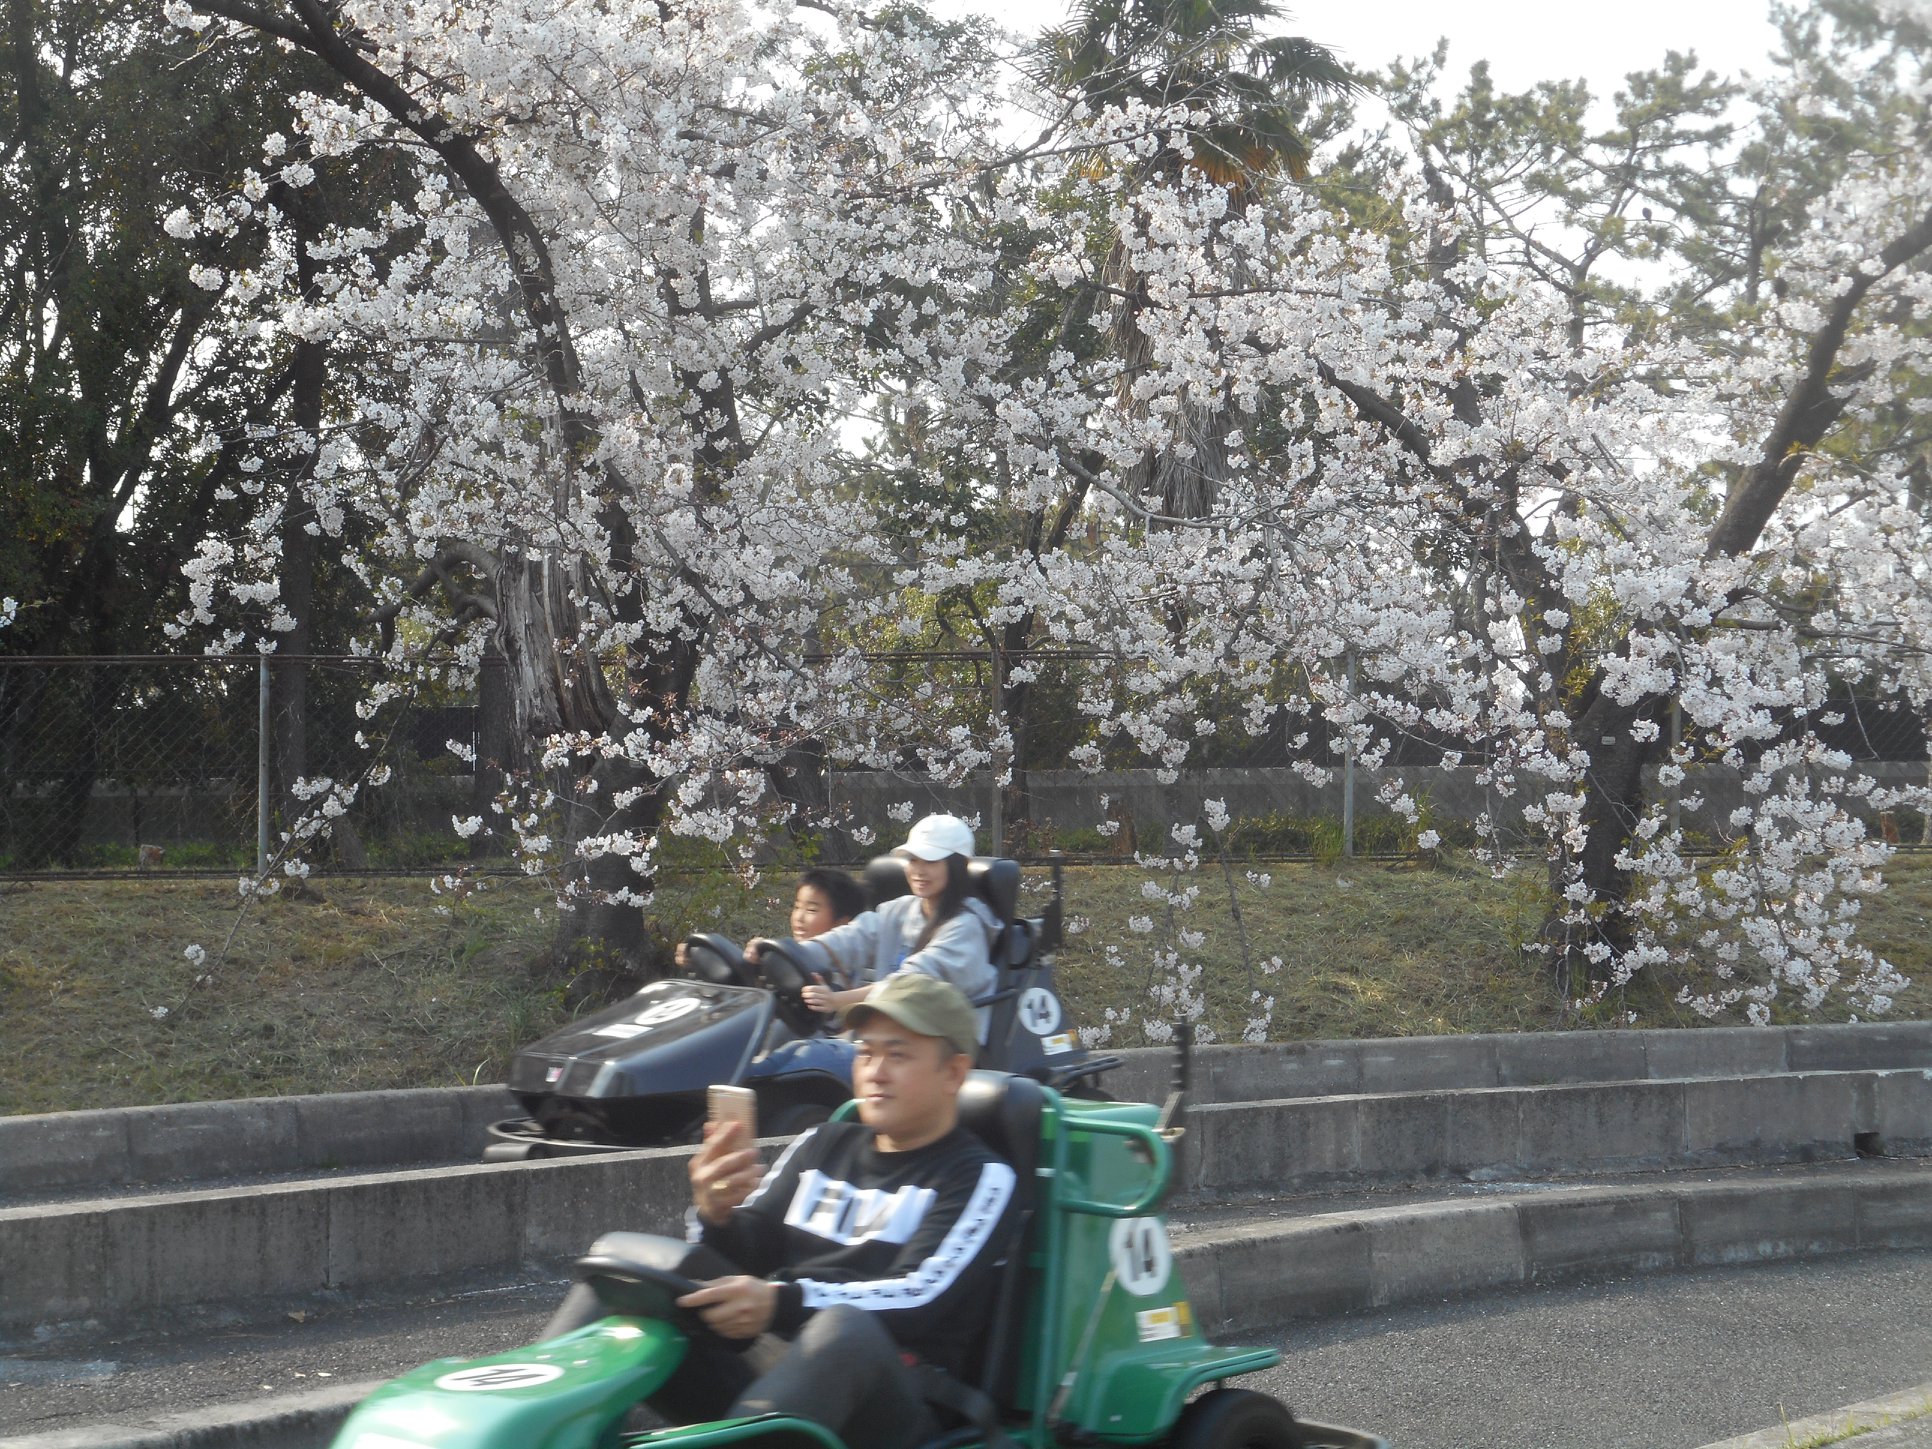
(867, 1248)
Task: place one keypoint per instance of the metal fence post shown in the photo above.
(1348, 774)
(261, 775)
(996, 799)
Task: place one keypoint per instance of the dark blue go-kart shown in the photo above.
(635, 1074)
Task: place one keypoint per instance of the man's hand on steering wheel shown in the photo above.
(736, 1307)
(819, 996)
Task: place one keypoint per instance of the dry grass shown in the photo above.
(1376, 948)
(380, 984)
(1367, 949)
(367, 986)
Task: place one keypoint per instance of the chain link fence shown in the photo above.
(163, 763)
(132, 764)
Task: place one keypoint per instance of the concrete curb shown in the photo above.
(1878, 1423)
(1329, 1263)
(1246, 1276)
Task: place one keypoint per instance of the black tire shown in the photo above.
(792, 1120)
(1237, 1419)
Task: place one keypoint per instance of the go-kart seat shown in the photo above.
(993, 879)
(1004, 1112)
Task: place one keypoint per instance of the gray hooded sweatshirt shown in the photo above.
(870, 947)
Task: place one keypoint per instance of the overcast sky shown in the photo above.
(1527, 42)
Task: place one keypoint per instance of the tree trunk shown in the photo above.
(1613, 802)
(605, 938)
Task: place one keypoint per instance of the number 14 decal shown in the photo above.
(1141, 1257)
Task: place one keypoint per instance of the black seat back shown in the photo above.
(994, 880)
(1004, 1112)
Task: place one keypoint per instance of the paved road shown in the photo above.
(1667, 1362)
(197, 1366)
(1647, 1363)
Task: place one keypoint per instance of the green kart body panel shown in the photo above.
(1102, 1343)
(1113, 1344)
(561, 1394)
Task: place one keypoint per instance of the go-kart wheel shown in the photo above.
(787, 980)
(1238, 1419)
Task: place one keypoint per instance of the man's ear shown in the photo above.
(957, 1070)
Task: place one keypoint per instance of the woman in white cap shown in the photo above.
(938, 930)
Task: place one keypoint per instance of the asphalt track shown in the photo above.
(1668, 1361)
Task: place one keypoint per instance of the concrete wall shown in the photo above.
(74, 1152)
(109, 1259)
(105, 1260)
(1532, 1132)
(117, 1147)
(1243, 1278)
(1435, 1063)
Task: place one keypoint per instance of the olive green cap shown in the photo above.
(924, 1004)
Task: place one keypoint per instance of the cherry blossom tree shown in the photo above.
(1817, 427)
(666, 261)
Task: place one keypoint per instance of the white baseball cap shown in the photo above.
(938, 836)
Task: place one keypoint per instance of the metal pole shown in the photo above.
(1677, 790)
(261, 775)
(1348, 775)
(996, 802)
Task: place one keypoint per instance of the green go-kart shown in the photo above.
(1092, 1340)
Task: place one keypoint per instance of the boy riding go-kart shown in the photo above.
(635, 1074)
(974, 1264)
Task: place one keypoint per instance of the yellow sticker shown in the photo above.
(1054, 1045)
(1186, 1315)
(1158, 1323)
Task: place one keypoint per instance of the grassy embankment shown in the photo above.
(378, 983)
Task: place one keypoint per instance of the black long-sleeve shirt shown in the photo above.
(912, 1236)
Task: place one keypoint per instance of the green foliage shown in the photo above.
(1279, 834)
(1214, 56)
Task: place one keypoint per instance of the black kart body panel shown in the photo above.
(635, 1073)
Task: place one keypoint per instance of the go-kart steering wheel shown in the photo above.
(787, 980)
(628, 1282)
(638, 1289)
(717, 960)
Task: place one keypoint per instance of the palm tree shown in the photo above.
(1213, 57)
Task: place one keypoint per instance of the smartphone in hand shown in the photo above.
(734, 1104)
